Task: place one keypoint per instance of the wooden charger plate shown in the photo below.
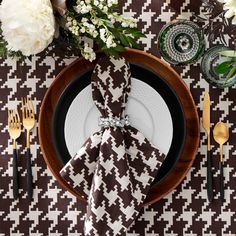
(191, 141)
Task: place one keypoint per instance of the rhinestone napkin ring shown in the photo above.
(106, 122)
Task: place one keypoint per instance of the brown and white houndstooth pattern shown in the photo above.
(55, 212)
(115, 167)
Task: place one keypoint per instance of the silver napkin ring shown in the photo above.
(106, 122)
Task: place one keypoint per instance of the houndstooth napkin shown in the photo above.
(115, 167)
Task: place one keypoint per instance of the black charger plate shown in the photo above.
(138, 72)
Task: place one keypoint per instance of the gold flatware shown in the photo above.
(221, 136)
(28, 118)
(14, 129)
(207, 126)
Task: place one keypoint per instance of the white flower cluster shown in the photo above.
(93, 26)
(107, 38)
(83, 7)
(72, 25)
(129, 22)
(27, 26)
(88, 28)
(230, 6)
(83, 27)
(88, 52)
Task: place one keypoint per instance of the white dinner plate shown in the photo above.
(146, 108)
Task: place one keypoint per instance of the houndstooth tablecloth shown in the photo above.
(185, 211)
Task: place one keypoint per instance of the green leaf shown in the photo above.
(124, 40)
(224, 67)
(228, 53)
(119, 48)
(132, 42)
(139, 34)
(232, 72)
(111, 52)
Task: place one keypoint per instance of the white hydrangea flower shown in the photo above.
(230, 7)
(27, 26)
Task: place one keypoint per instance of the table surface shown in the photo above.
(185, 211)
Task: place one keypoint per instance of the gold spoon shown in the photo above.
(221, 136)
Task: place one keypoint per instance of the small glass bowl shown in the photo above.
(209, 62)
(181, 42)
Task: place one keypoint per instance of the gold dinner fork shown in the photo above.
(28, 123)
(14, 129)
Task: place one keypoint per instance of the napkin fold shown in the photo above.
(116, 166)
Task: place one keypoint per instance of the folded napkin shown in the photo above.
(115, 167)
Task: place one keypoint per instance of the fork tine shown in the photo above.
(9, 116)
(31, 105)
(13, 116)
(17, 116)
(27, 111)
(23, 108)
(28, 105)
(18, 119)
(13, 119)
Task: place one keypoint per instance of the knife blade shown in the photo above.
(206, 117)
(206, 123)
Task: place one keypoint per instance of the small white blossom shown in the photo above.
(108, 40)
(96, 3)
(88, 53)
(82, 30)
(94, 21)
(105, 8)
(230, 6)
(100, 6)
(110, 3)
(84, 20)
(103, 35)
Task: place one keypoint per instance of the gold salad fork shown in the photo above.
(14, 129)
(28, 118)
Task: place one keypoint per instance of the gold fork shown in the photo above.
(14, 129)
(28, 123)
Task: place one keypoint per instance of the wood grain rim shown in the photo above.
(191, 143)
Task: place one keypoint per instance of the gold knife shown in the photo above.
(207, 125)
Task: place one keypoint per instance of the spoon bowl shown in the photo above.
(221, 133)
(221, 136)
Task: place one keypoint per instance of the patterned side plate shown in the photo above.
(209, 62)
(181, 42)
(157, 75)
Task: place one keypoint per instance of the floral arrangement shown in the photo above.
(29, 26)
(230, 8)
(218, 19)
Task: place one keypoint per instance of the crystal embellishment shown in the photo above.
(106, 122)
